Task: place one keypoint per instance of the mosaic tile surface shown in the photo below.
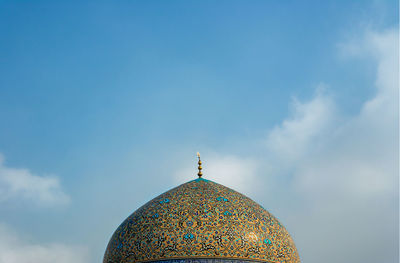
(205, 220)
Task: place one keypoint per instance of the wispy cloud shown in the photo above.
(21, 184)
(16, 249)
(356, 153)
(304, 131)
(349, 184)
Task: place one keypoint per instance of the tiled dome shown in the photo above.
(201, 221)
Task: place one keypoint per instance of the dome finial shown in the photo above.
(200, 168)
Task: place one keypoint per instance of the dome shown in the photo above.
(201, 221)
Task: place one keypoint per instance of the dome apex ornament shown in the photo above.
(200, 168)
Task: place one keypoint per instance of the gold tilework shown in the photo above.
(201, 219)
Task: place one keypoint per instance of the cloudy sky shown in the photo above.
(104, 104)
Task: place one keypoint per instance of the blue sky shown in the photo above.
(103, 106)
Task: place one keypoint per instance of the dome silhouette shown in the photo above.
(201, 221)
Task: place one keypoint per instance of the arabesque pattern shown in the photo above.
(201, 219)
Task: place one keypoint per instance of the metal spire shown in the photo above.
(200, 168)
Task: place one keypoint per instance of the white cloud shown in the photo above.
(361, 150)
(21, 184)
(343, 169)
(15, 249)
(304, 130)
